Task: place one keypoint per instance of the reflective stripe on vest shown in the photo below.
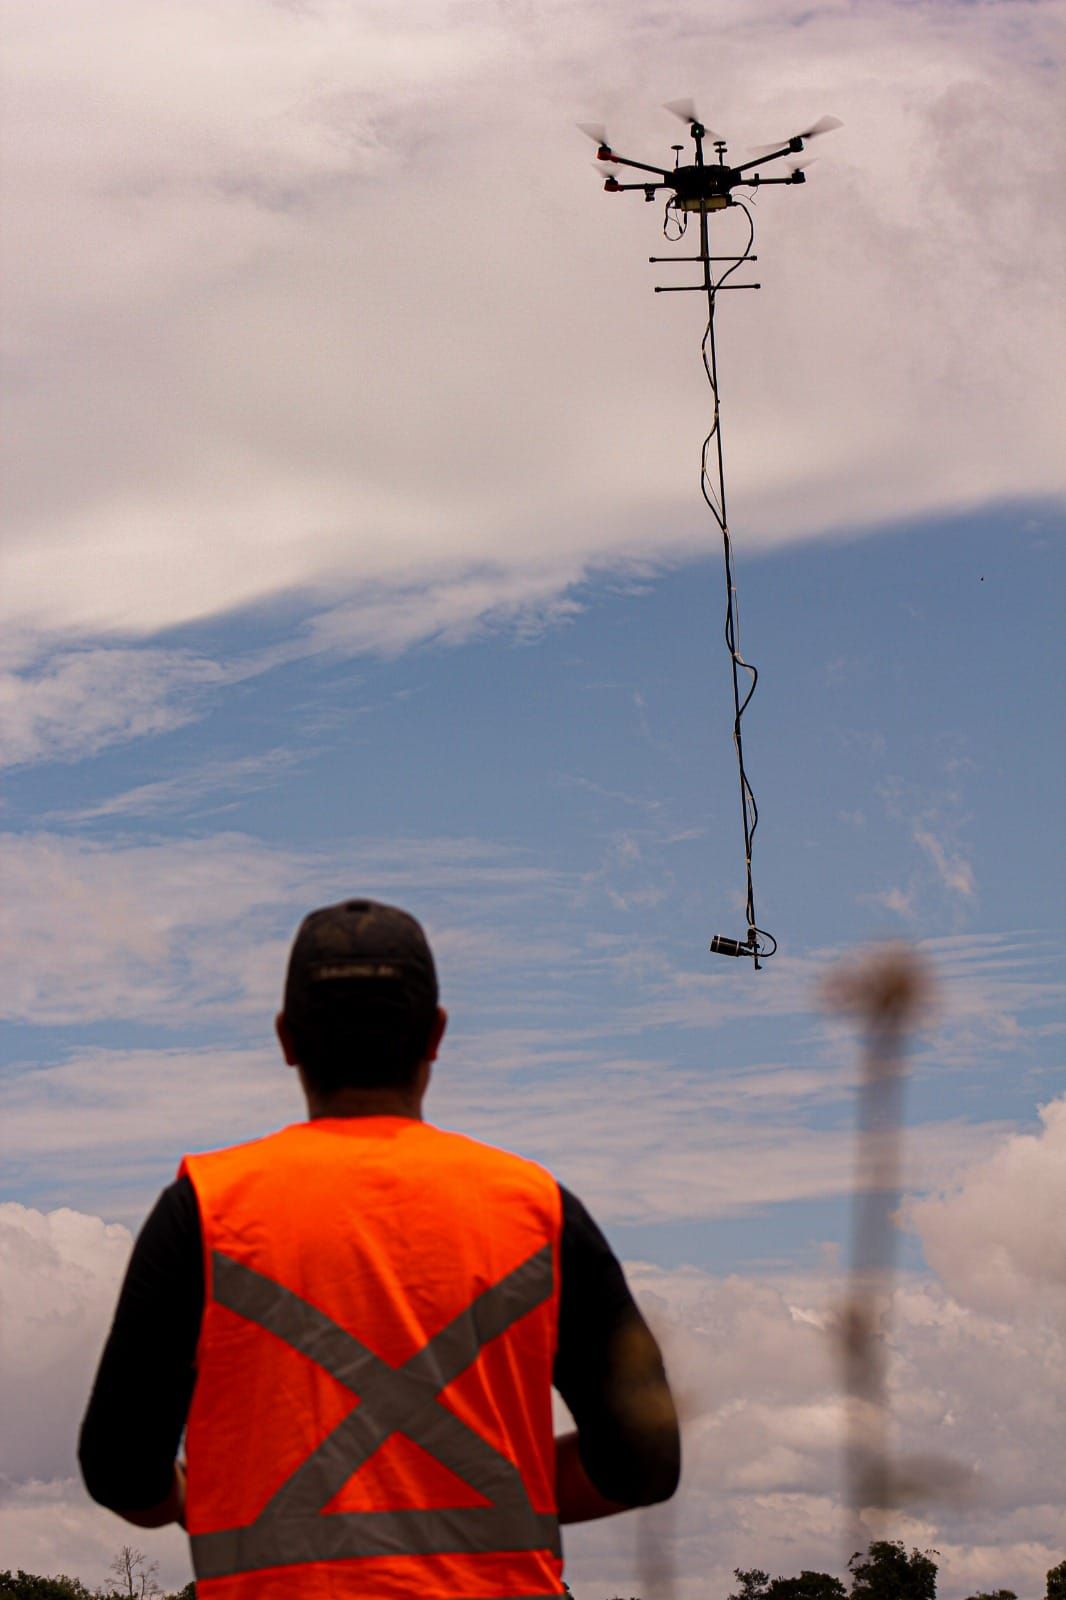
(291, 1528)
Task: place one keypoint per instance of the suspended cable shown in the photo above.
(712, 487)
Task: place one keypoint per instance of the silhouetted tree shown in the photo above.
(753, 1584)
(29, 1586)
(1056, 1582)
(758, 1585)
(136, 1574)
(994, 1594)
(808, 1586)
(887, 1572)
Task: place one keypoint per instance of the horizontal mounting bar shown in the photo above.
(701, 288)
(703, 258)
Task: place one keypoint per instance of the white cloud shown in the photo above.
(151, 931)
(954, 871)
(52, 1527)
(214, 781)
(976, 1379)
(59, 1275)
(352, 317)
(109, 1126)
(762, 1483)
(999, 1240)
(177, 930)
(78, 701)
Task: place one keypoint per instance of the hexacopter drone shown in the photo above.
(702, 187)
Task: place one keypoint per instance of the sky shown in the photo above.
(353, 544)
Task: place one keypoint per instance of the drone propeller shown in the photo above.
(823, 125)
(686, 111)
(596, 132)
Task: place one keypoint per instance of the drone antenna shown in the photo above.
(703, 189)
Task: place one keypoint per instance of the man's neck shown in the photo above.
(364, 1103)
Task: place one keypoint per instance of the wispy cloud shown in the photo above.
(186, 792)
(79, 701)
(642, 1140)
(176, 931)
(901, 902)
(954, 871)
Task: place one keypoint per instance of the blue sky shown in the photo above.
(355, 546)
(577, 776)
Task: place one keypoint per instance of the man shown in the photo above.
(358, 1321)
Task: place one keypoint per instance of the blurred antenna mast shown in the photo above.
(700, 188)
(889, 991)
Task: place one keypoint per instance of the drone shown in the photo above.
(703, 187)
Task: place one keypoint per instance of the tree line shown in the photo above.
(132, 1577)
(887, 1571)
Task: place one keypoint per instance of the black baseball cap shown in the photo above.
(363, 958)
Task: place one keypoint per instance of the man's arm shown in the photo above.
(609, 1369)
(171, 1509)
(136, 1414)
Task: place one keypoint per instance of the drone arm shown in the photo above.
(642, 166)
(761, 183)
(619, 188)
(785, 150)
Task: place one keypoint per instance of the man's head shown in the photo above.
(360, 1009)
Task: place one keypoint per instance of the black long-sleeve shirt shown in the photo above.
(148, 1367)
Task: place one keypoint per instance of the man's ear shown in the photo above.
(436, 1034)
(281, 1028)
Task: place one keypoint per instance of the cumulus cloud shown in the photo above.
(59, 1275)
(351, 316)
(998, 1241)
(754, 1360)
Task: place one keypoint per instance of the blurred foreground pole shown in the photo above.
(887, 990)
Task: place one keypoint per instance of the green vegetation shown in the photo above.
(885, 1572)
(758, 1585)
(133, 1578)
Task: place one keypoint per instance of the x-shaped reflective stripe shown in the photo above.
(291, 1529)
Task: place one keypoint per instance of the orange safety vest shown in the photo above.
(372, 1410)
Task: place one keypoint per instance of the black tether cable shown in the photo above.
(716, 500)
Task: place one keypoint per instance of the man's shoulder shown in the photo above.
(246, 1151)
(461, 1144)
(490, 1163)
